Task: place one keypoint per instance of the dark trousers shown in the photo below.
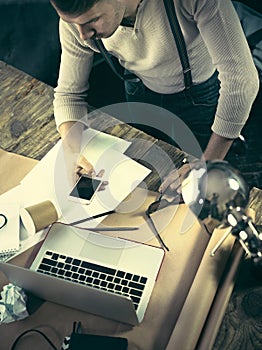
(195, 108)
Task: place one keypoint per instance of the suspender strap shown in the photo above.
(115, 68)
(180, 42)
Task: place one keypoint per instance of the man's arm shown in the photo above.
(71, 92)
(222, 33)
(217, 147)
(230, 53)
(76, 164)
(237, 73)
(70, 98)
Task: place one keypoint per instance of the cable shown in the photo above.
(33, 330)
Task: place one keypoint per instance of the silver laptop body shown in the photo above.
(103, 275)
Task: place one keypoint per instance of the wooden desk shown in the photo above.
(28, 128)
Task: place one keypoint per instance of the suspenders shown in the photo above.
(115, 68)
(179, 40)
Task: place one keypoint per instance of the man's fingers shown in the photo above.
(101, 173)
(174, 179)
(170, 182)
(85, 167)
(103, 186)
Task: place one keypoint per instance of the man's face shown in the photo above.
(101, 21)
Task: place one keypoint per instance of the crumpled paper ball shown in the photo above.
(12, 304)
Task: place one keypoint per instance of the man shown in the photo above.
(138, 34)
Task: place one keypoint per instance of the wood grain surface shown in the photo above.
(28, 127)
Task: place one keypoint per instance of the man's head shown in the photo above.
(73, 7)
(95, 18)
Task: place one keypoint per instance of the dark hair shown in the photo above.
(73, 7)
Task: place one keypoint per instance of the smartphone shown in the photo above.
(85, 188)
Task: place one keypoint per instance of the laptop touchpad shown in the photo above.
(103, 248)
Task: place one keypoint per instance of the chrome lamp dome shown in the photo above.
(216, 190)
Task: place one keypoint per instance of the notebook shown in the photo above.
(9, 233)
(103, 275)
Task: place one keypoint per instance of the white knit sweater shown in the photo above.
(214, 40)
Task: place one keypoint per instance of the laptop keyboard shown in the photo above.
(93, 275)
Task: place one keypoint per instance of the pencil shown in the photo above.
(117, 228)
(93, 217)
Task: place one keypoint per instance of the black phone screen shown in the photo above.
(85, 187)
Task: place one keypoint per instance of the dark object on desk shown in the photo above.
(161, 203)
(80, 341)
(92, 217)
(155, 231)
(85, 189)
(96, 342)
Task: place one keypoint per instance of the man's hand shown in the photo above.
(217, 148)
(172, 182)
(76, 163)
(83, 166)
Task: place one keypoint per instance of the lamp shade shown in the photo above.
(211, 189)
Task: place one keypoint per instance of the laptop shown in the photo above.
(93, 272)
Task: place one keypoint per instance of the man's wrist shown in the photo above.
(217, 147)
(71, 135)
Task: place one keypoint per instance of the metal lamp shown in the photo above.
(216, 190)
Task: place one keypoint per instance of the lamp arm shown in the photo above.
(245, 231)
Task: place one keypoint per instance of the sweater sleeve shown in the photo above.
(70, 97)
(222, 33)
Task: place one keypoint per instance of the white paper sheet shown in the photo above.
(26, 241)
(51, 168)
(49, 180)
(12, 304)
(9, 234)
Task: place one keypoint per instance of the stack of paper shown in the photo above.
(9, 233)
(49, 180)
